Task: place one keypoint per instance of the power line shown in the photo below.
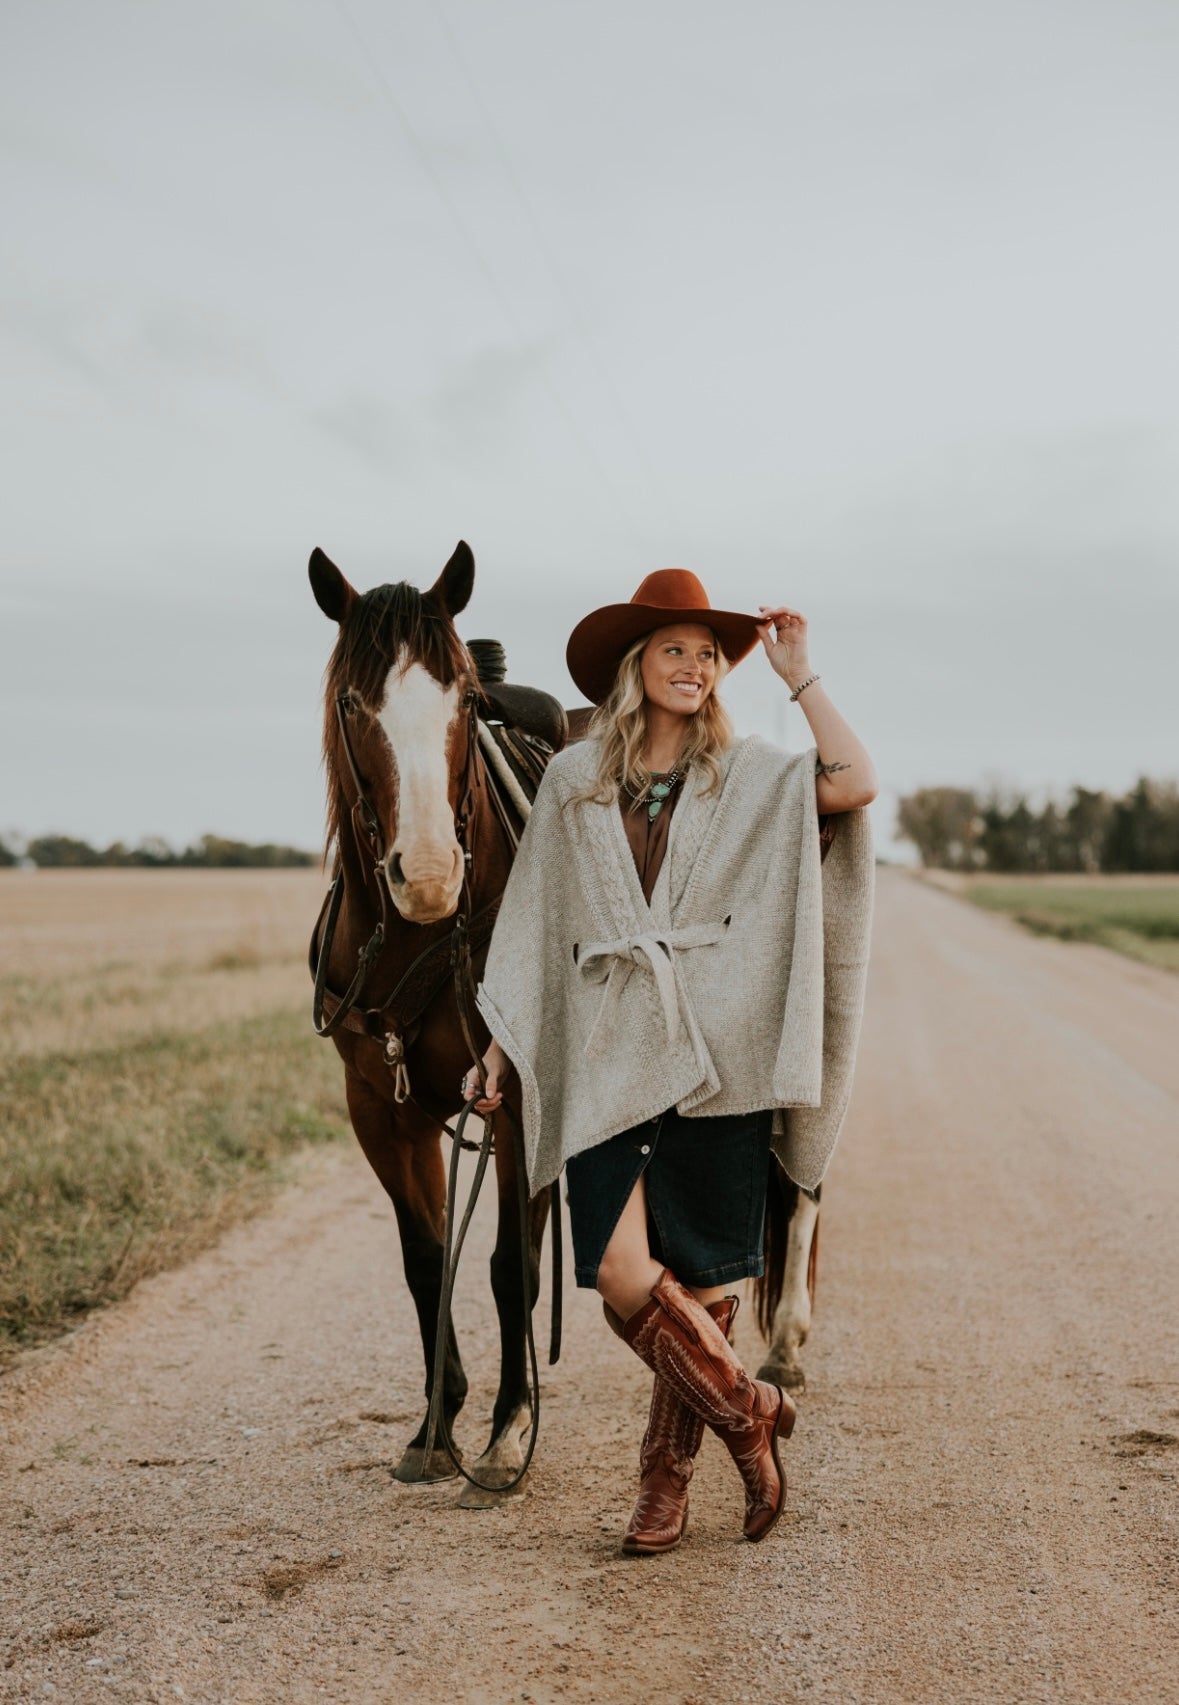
(502, 300)
(557, 276)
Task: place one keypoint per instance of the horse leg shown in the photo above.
(512, 1415)
(404, 1150)
(792, 1318)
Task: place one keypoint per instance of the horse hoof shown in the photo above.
(786, 1374)
(415, 1469)
(490, 1496)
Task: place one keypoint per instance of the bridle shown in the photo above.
(348, 704)
(367, 828)
(365, 823)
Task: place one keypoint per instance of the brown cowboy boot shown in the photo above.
(678, 1338)
(667, 1460)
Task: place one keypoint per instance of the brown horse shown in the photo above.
(414, 838)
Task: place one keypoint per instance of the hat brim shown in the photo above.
(600, 640)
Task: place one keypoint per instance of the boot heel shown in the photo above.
(786, 1417)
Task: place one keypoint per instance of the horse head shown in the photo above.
(394, 745)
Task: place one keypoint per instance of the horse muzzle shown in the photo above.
(424, 895)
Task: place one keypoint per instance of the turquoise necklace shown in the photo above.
(659, 793)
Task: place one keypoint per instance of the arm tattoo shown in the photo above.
(822, 769)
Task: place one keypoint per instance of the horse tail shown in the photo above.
(781, 1201)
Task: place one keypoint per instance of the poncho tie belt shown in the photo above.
(612, 962)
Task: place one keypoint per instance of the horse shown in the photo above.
(421, 853)
(784, 1297)
(399, 758)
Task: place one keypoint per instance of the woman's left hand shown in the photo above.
(788, 650)
(496, 1067)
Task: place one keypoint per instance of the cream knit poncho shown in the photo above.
(740, 987)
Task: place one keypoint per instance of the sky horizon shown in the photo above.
(868, 310)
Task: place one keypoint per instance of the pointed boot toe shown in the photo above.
(755, 1453)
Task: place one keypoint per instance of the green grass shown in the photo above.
(1139, 919)
(118, 1162)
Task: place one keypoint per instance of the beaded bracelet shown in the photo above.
(809, 682)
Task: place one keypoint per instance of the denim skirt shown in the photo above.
(706, 1195)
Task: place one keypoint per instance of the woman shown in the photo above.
(669, 974)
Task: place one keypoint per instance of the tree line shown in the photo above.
(955, 828)
(210, 852)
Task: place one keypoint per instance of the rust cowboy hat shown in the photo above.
(600, 640)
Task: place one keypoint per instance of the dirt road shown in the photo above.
(983, 1479)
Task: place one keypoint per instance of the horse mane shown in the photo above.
(387, 623)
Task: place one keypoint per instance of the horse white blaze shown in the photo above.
(418, 717)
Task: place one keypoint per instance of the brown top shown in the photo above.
(648, 839)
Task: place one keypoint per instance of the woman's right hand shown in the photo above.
(496, 1067)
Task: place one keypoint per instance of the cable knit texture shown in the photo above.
(681, 1342)
(740, 987)
(668, 1459)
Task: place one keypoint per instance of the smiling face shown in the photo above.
(679, 666)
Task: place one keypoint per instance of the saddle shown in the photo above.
(525, 724)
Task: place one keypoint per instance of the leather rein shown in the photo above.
(395, 1023)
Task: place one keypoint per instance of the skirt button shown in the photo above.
(646, 1149)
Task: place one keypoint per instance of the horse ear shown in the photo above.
(332, 592)
(454, 585)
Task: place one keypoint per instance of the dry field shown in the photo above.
(156, 1059)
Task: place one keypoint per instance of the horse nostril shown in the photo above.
(396, 874)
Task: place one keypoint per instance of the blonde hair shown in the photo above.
(619, 725)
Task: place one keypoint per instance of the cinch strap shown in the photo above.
(613, 961)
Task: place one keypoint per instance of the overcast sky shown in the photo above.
(867, 307)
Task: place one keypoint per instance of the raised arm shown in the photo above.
(846, 776)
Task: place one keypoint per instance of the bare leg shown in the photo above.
(628, 1272)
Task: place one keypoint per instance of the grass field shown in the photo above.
(156, 1062)
(1135, 915)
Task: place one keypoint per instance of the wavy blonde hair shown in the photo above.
(620, 727)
